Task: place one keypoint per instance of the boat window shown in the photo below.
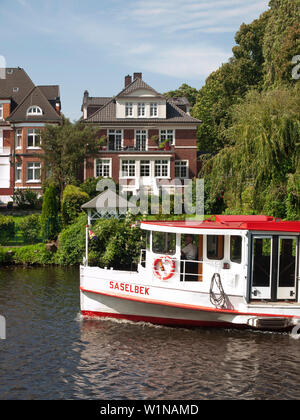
(164, 243)
(189, 247)
(215, 247)
(236, 249)
(148, 236)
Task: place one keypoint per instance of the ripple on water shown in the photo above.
(52, 352)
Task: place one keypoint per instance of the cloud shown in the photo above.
(172, 37)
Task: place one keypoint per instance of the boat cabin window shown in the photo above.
(236, 249)
(189, 247)
(215, 247)
(164, 243)
(148, 238)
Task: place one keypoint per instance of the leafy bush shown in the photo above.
(6, 257)
(50, 222)
(33, 255)
(7, 229)
(89, 186)
(72, 243)
(31, 228)
(26, 199)
(73, 199)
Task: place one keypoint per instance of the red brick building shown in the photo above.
(25, 109)
(136, 123)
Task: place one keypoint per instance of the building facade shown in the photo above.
(25, 109)
(149, 139)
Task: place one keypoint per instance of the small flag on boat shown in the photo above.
(92, 235)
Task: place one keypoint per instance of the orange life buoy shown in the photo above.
(158, 272)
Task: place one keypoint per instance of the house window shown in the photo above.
(128, 110)
(141, 110)
(34, 172)
(153, 110)
(161, 168)
(19, 139)
(181, 169)
(19, 172)
(145, 168)
(33, 138)
(103, 168)
(34, 110)
(167, 135)
(1, 112)
(114, 139)
(140, 139)
(128, 168)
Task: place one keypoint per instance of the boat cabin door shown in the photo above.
(274, 263)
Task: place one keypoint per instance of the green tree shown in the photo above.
(50, 223)
(258, 169)
(281, 41)
(65, 148)
(184, 91)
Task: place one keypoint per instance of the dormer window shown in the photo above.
(141, 110)
(34, 110)
(129, 109)
(15, 89)
(153, 110)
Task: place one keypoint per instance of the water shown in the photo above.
(51, 353)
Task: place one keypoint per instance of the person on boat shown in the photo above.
(189, 252)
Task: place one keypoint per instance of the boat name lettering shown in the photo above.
(126, 287)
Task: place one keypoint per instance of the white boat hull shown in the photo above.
(123, 295)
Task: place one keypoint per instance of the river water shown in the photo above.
(50, 352)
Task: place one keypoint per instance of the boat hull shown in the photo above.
(104, 293)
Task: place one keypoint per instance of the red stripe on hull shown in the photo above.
(161, 321)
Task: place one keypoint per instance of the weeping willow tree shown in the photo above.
(259, 170)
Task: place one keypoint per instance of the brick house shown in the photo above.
(25, 109)
(136, 123)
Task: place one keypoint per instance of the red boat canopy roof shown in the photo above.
(255, 223)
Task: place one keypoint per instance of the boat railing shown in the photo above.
(190, 270)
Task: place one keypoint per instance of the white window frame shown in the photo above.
(108, 163)
(34, 166)
(162, 163)
(1, 112)
(19, 172)
(141, 111)
(182, 164)
(153, 109)
(115, 132)
(34, 110)
(163, 135)
(35, 133)
(141, 133)
(19, 135)
(129, 110)
(130, 164)
(145, 163)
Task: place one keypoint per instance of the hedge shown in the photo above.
(7, 229)
(72, 200)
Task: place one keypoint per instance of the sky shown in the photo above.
(94, 44)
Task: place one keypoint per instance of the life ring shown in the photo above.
(158, 272)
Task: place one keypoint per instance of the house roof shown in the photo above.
(35, 97)
(16, 85)
(107, 113)
(52, 92)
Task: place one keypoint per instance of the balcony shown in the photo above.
(4, 151)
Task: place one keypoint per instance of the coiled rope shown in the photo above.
(218, 300)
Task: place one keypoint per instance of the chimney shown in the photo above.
(137, 76)
(85, 97)
(128, 80)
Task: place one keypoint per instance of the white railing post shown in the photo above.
(87, 245)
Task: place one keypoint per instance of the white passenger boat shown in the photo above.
(228, 271)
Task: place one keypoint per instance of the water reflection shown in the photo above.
(52, 353)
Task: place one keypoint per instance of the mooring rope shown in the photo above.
(217, 301)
